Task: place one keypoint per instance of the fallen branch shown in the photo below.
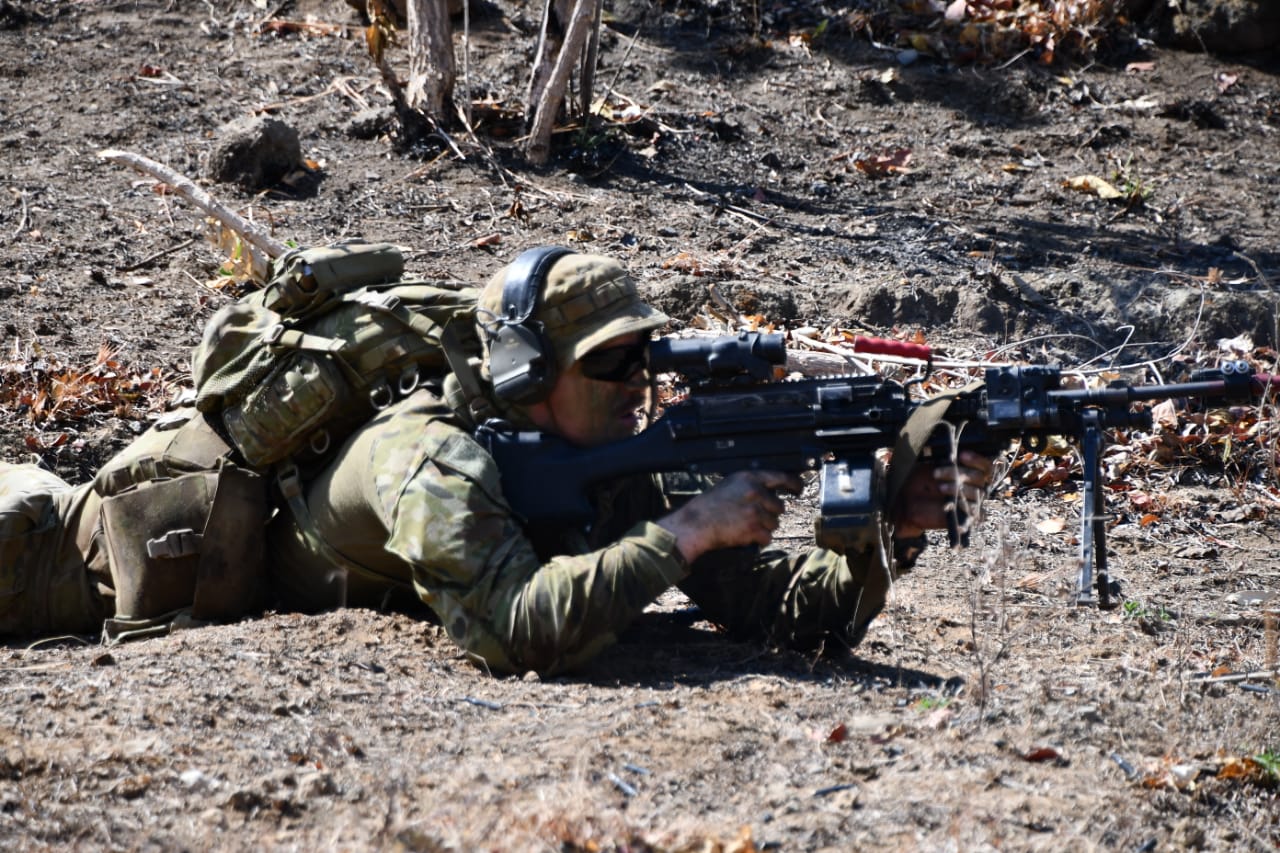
(157, 256)
(22, 221)
(251, 233)
(1260, 675)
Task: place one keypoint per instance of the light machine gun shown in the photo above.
(738, 417)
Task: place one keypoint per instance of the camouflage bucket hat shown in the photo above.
(586, 301)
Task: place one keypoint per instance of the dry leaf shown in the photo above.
(1237, 347)
(1240, 767)
(376, 41)
(1093, 185)
(894, 163)
(1165, 413)
(685, 263)
(1051, 525)
(939, 718)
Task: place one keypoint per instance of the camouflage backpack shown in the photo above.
(283, 375)
(291, 370)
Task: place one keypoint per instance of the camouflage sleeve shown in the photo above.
(474, 566)
(797, 600)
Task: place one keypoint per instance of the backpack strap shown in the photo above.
(283, 337)
(474, 403)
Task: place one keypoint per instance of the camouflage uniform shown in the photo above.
(163, 536)
(412, 503)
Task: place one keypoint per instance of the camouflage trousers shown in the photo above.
(54, 577)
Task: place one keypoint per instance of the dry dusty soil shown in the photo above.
(984, 711)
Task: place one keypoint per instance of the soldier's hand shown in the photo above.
(742, 509)
(931, 490)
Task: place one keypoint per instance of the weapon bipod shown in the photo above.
(1093, 518)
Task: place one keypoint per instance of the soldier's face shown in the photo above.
(589, 411)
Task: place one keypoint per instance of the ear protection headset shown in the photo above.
(521, 358)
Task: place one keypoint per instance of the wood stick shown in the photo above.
(1260, 675)
(22, 222)
(538, 148)
(160, 254)
(589, 57)
(251, 233)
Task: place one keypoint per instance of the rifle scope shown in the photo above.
(750, 354)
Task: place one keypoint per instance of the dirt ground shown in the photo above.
(984, 711)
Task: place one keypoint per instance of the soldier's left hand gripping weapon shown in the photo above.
(738, 417)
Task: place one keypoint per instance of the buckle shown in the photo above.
(174, 543)
(290, 481)
(380, 396)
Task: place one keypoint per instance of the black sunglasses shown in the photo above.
(614, 364)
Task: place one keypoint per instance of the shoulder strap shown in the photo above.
(475, 405)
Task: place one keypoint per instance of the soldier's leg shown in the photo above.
(53, 574)
(793, 600)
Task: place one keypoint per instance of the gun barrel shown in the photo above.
(1234, 381)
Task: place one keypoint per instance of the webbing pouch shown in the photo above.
(282, 414)
(180, 442)
(304, 279)
(191, 546)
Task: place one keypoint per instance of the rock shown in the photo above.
(255, 153)
(370, 123)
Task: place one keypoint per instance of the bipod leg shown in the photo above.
(1093, 531)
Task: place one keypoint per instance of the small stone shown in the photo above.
(192, 778)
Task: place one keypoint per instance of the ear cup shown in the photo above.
(522, 363)
(522, 360)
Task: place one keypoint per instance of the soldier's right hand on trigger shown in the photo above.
(742, 509)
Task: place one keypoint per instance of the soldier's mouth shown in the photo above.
(631, 415)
